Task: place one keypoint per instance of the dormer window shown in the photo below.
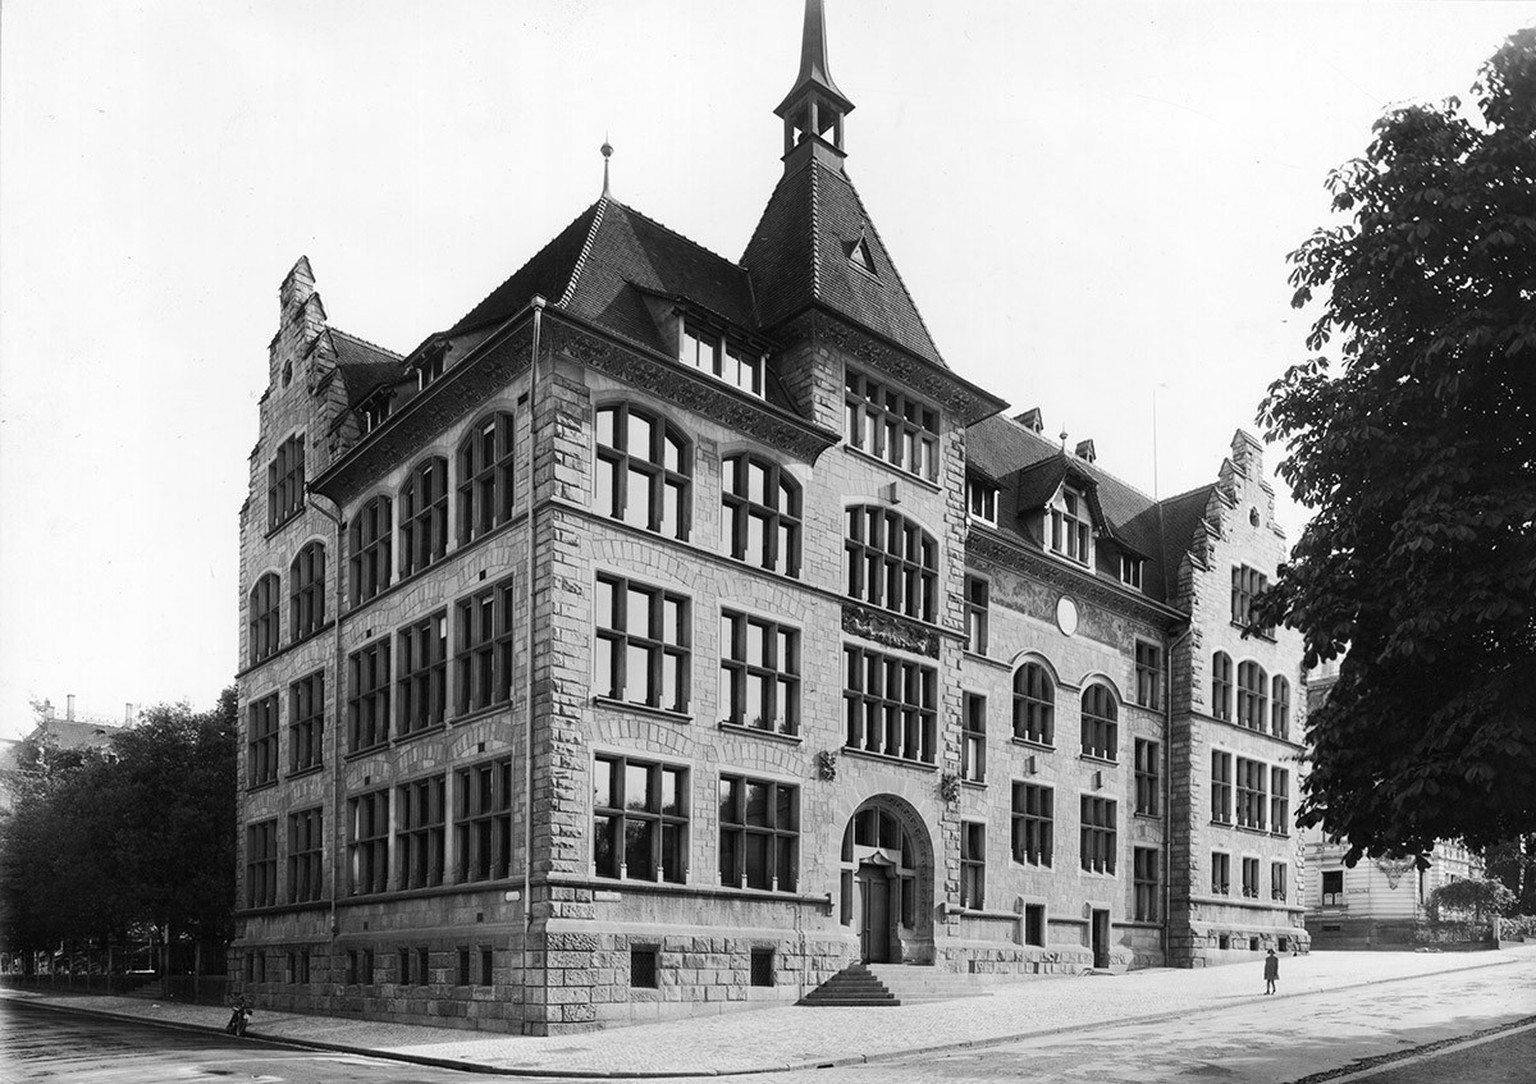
(860, 256)
(1070, 532)
(429, 367)
(709, 351)
(1130, 571)
(375, 412)
(981, 500)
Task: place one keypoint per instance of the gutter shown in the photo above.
(337, 849)
(537, 307)
(1167, 766)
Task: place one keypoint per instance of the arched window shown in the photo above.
(761, 524)
(1280, 709)
(306, 580)
(643, 469)
(1221, 686)
(424, 516)
(368, 542)
(485, 477)
(892, 562)
(1252, 696)
(266, 611)
(1034, 704)
(1101, 731)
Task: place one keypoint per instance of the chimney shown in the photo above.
(1031, 419)
(1084, 450)
(128, 713)
(69, 707)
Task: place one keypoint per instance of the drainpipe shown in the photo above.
(533, 401)
(1168, 785)
(337, 849)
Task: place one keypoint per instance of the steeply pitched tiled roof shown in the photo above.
(1029, 468)
(363, 366)
(798, 256)
(547, 274)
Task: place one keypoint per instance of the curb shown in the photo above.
(484, 1069)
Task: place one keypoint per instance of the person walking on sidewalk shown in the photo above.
(1271, 971)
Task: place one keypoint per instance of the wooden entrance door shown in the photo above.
(1101, 939)
(874, 915)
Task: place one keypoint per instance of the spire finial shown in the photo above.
(814, 108)
(1063, 442)
(607, 149)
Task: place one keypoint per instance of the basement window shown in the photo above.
(642, 968)
(762, 967)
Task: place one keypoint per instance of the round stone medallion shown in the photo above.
(1066, 616)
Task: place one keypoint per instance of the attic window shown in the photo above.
(429, 368)
(981, 500)
(860, 256)
(1130, 571)
(375, 412)
(1069, 528)
(709, 351)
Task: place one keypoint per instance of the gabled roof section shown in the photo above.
(799, 256)
(362, 366)
(547, 274)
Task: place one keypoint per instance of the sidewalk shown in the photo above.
(766, 1040)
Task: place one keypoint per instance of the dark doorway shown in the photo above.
(1101, 939)
(874, 914)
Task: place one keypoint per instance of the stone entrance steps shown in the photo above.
(891, 984)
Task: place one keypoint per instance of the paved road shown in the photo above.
(1253, 1040)
(44, 1045)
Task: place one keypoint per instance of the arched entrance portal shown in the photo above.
(887, 882)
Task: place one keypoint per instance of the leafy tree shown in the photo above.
(1513, 864)
(1418, 453)
(1477, 895)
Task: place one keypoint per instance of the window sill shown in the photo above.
(475, 714)
(1147, 816)
(367, 750)
(1267, 637)
(1101, 874)
(974, 784)
(1029, 743)
(792, 577)
(899, 471)
(1248, 830)
(886, 758)
(420, 732)
(311, 769)
(1016, 864)
(280, 524)
(265, 784)
(1093, 758)
(613, 704)
(758, 732)
(1220, 824)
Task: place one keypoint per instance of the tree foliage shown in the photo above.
(143, 834)
(1418, 453)
(1513, 864)
(1479, 896)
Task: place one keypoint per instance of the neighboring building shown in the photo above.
(672, 631)
(1374, 902)
(53, 735)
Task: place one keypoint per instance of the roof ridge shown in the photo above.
(870, 222)
(1187, 493)
(586, 250)
(1094, 467)
(359, 339)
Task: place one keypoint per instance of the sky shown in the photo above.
(1090, 202)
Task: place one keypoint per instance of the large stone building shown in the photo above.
(672, 631)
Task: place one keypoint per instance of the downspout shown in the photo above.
(336, 795)
(1168, 786)
(533, 401)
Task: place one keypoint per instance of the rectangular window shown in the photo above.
(422, 699)
(1130, 571)
(424, 966)
(891, 562)
(892, 426)
(642, 644)
(1251, 793)
(759, 833)
(419, 833)
(981, 501)
(711, 352)
(1221, 874)
(1221, 788)
(301, 975)
(1221, 686)
(261, 864)
(1147, 757)
(976, 606)
(642, 968)
(1034, 924)
(487, 966)
(760, 513)
(483, 648)
(1070, 527)
(973, 865)
(1250, 878)
(368, 843)
(1277, 881)
(1098, 834)
(973, 749)
(1280, 801)
(1333, 888)
(463, 971)
(483, 821)
(761, 967)
(1149, 675)
(1144, 868)
(262, 761)
(365, 966)
(305, 845)
(890, 705)
(403, 975)
(285, 482)
(368, 699)
(759, 673)
(1247, 583)
(639, 819)
(1032, 834)
(306, 722)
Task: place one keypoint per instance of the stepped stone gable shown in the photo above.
(825, 687)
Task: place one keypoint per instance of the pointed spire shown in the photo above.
(814, 106)
(607, 149)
